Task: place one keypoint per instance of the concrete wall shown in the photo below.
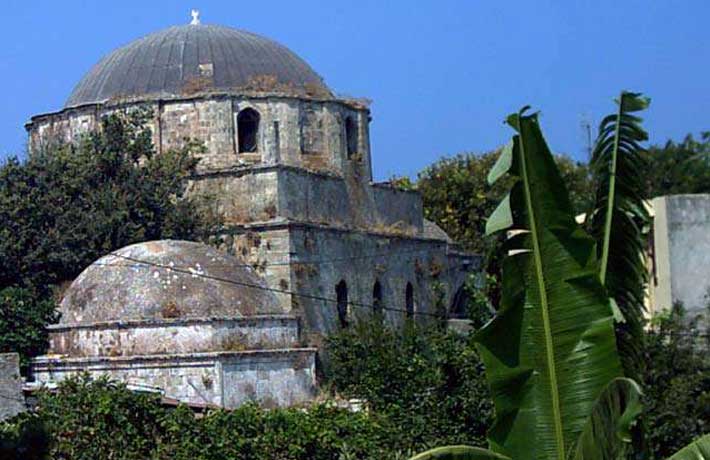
(681, 256)
(273, 378)
(174, 336)
(12, 401)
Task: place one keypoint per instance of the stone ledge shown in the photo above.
(127, 324)
(217, 95)
(238, 171)
(54, 362)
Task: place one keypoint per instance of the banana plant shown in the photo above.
(550, 352)
(619, 221)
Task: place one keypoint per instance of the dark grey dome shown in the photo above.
(191, 58)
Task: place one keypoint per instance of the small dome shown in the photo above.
(193, 58)
(166, 279)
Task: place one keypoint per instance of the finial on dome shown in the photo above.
(195, 17)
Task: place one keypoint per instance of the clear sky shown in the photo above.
(442, 73)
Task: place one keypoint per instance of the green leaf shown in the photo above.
(550, 351)
(501, 218)
(502, 165)
(619, 219)
(607, 435)
(459, 453)
(696, 450)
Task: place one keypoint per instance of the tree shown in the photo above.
(69, 204)
(677, 168)
(458, 198)
(550, 352)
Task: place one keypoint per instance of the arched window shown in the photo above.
(248, 130)
(459, 304)
(409, 300)
(351, 136)
(341, 293)
(377, 305)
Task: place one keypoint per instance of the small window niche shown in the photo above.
(409, 300)
(341, 292)
(248, 130)
(351, 137)
(378, 307)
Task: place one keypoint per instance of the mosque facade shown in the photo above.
(310, 242)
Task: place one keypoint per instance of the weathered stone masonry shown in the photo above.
(288, 167)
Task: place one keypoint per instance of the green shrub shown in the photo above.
(23, 316)
(103, 420)
(427, 381)
(676, 384)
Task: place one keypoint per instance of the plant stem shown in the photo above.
(612, 192)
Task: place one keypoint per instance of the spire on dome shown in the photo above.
(195, 17)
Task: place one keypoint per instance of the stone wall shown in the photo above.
(263, 194)
(292, 131)
(327, 256)
(336, 202)
(12, 400)
(148, 337)
(273, 378)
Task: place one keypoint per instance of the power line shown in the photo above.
(302, 262)
(264, 288)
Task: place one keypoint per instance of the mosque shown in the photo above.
(310, 243)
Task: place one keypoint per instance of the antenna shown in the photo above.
(586, 126)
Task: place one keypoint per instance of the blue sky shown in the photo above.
(442, 73)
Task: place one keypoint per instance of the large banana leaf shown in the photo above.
(607, 434)
(619, 219)
(696, 450)
(459, 453)
(550, 351)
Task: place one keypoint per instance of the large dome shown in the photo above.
(163, 280)
(184, 59)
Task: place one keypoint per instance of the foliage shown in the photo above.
(697, 450)
(676, 383)
(552, 307)
(459, 453)
(620, 220)
(23, 316)
(70, 204)
(459, 199)
(424, 379)
(678, 167)
(24, 439)
(102, 419)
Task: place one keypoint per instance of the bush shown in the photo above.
(676, 384)
(427, 381)
(23, 316)
(102, 419)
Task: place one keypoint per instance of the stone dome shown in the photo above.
(192, 58)
(166, 279)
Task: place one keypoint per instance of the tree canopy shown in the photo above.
(69, 204)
